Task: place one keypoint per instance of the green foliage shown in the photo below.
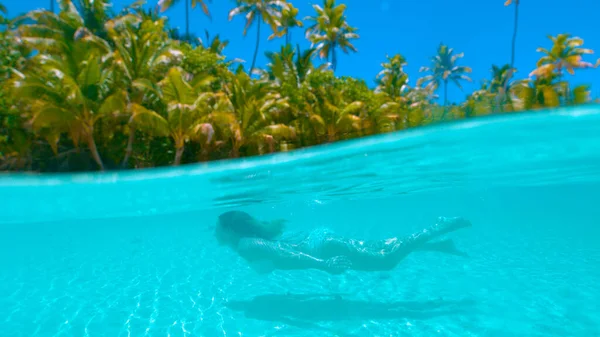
(88, 88)
(207, 65)
(3, 20)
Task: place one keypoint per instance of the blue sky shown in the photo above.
(482, 29)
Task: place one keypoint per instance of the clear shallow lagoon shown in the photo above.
(133, 254)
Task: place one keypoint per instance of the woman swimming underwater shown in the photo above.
(257, 242)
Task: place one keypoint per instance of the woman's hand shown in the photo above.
(337, 265)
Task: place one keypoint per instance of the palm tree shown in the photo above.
(304, 63)
(566, 53)
(281, 68)
(480, 102)
(166, 4)
(330, 31)
(250, 121)
(290, 66)
(71, 103)
(330, 115)
(69, 82)
(495, 95)
(142, 52)
(392, 80)
(287, 72)
(501, 86)
(93, 13)
(514, 39)
(443, 69)
(333, 119)
(3, 11)
(540, 92)
(543, 92)
(183, 120)
(267, 11)
(287, 21)
(392, 86)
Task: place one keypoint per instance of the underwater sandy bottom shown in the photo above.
(530, 272)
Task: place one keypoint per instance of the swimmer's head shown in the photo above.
(235, 225)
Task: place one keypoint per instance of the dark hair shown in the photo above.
(244, 225)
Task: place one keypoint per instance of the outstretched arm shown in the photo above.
(283, 256)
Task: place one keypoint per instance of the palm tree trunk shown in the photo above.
(331, 133)
(288, 37)
(514, 39)
(270, 143)
(204, 154)
(445, 93)
(129, 148)
(235, 151)
(567, 99)
(94, 149)
(259, 18)
(333, 58)
(187, 20)
(445, 111)
(52, 6)
(178, 154)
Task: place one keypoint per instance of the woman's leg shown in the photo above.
(386, 254)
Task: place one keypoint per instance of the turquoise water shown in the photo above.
(133, 253)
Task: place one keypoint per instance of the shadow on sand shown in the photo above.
(305, 310)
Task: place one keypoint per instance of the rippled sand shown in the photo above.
(165, 276)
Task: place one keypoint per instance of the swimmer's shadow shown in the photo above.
(302, 310)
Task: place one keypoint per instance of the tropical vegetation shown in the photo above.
(85, 88)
